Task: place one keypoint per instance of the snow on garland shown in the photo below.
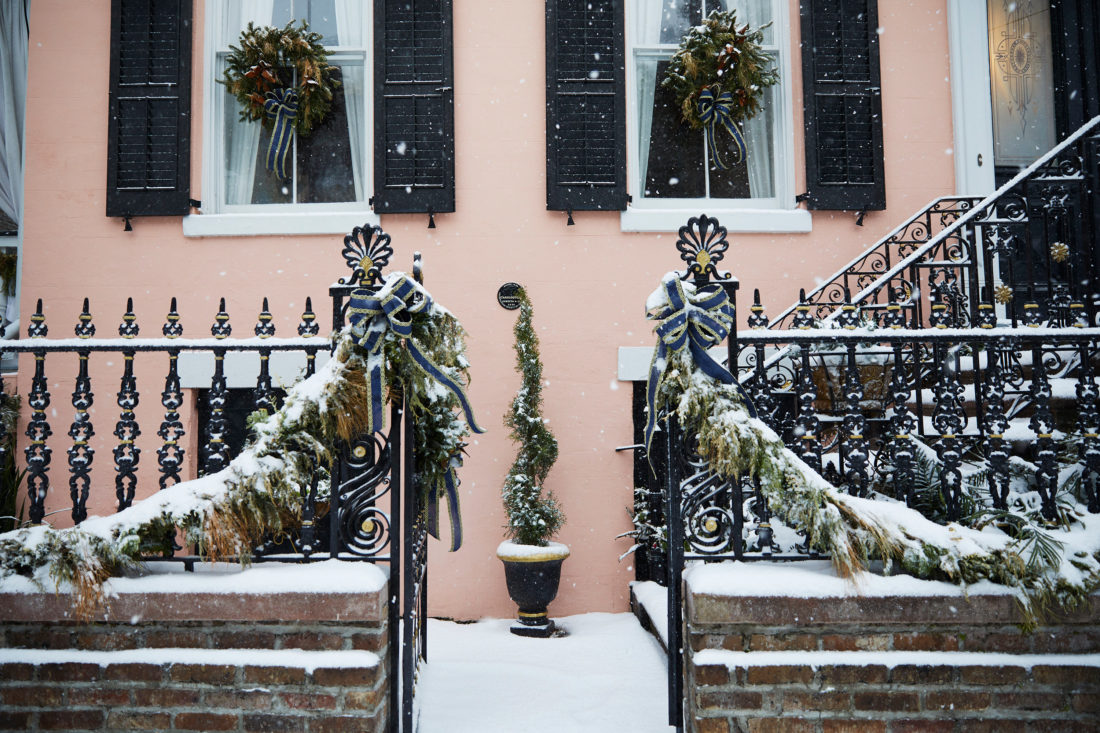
(226, 515)
(854, 530)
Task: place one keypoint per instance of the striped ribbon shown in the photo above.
(281, 105)
(450, 480)
(391, 309)
(697, 322)
(714, 112)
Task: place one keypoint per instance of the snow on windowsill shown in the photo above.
(794, 221)
(306, 660)
(258, 224)
(329, 576)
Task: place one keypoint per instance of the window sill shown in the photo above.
(252, 225)
(793, 221)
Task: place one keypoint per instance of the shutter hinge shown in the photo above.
(629, 199)
(194, 204)
(859, 217)
(802, 197)
(370, 202)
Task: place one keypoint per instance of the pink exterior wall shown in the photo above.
(588, 282)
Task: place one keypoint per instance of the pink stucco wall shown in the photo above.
(588, 282)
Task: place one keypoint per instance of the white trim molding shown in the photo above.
(793, 221)
(298, 222)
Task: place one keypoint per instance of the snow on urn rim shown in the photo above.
(515, 552)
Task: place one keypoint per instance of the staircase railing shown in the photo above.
(1029, 249)
(893, 248)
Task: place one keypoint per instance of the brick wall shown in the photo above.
(191, 697)
(196, 661)
(887, 664)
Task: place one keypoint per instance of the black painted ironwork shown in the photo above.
(81, 432)
(170, 455)
(909, 376)
(38, 452)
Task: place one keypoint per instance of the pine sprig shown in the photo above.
(533, 512)
(724, 57)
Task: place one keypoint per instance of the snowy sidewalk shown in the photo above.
(607, 675)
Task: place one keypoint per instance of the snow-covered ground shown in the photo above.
(606, 675)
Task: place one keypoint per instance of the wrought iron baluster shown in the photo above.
(262, 397)
(995, 425)
(807, 425)
(1088, 426)
(309, 327)
(81, 431)
(853, 441)
(902, 423)
(170, 454)
(1042, 423)
(127, 431)
(949, 420)
(127, 453)
(38, 430)
(215, 448)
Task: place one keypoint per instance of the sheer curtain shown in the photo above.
(241, 138)
(349, 24)
(758, 131)
(13, 93)
(645, 30)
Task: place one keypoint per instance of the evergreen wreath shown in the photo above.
(719, 75)
(533, 517)
(269, 59)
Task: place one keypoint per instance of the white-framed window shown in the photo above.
(669, 170)
(330, 177)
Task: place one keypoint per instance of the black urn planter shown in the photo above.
(532, 574)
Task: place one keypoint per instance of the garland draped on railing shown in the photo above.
(853, 530)
(260, 493)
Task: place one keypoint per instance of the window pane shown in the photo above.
(323, 160)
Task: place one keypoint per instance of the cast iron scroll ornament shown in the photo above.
(366, 250)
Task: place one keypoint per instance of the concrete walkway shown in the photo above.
(606, 675)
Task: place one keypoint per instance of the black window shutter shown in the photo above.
(843, 105)
(149, 123)
(414, 162)
(585, 105)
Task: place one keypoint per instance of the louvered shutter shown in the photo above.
(149, 124)
(843, 105)
(585, 105)
(414, 166)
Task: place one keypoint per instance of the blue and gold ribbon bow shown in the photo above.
(697, 322)
(450, 480)
(281, 105)
(714, 112)
(392, 309)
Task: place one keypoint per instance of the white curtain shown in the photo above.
(242, 138)
(645, 30)
(759, 130)
(349, 28)
(13, 93)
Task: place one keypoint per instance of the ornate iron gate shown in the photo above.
(366, 470)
